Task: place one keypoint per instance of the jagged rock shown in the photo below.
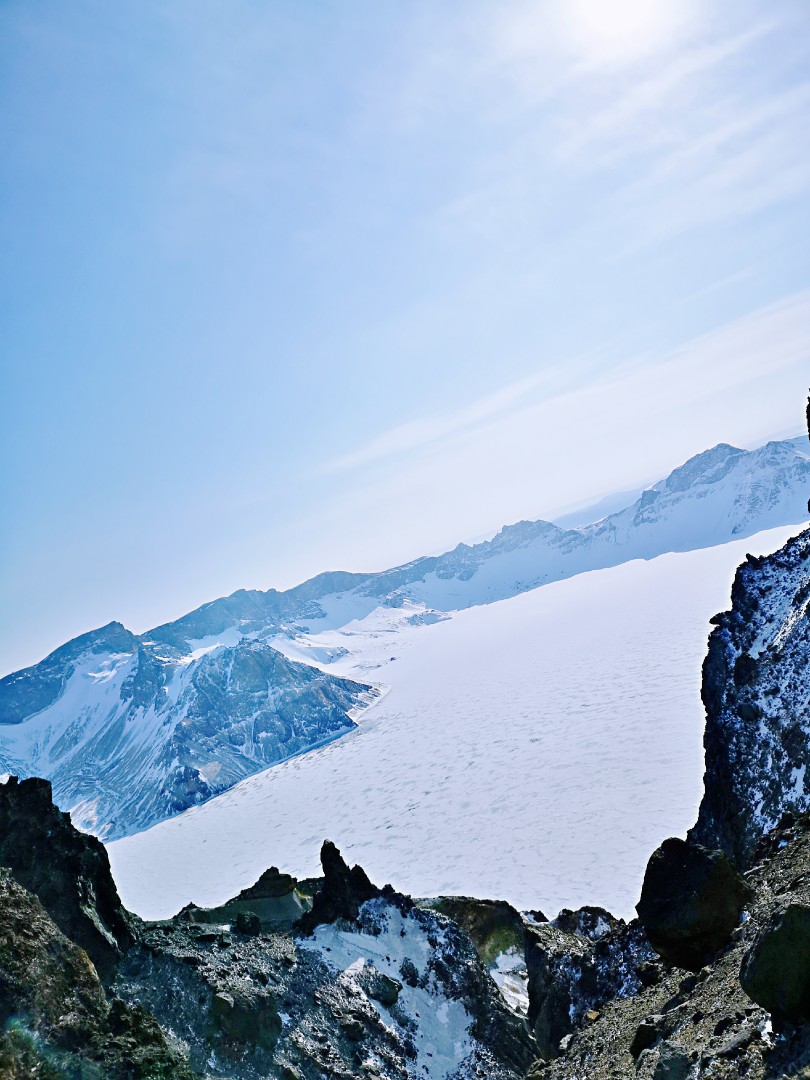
(589, 922)
(757, 736)
(275, 900)
(68, 871)
(342, 891)
(243, 1005)
(271, 885)
(55, 1018)
(705, 1019)
(691, 900)
(573, 973)
(776, 970)
(557, 964)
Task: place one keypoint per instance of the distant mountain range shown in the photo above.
(133, 729)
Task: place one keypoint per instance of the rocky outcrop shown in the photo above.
(776, 970)
(691, 900)
(275, 902)
(342, 891)
(56, 1020)
(377, 986)
(705, 1024)
(494, 926)
(67, 870)
(756, 692)
(577, 963)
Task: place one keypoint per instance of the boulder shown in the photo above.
(775, 972)
(691, 901)
(494, 926)
(673, 1063)
(378, 986)
(248, 923)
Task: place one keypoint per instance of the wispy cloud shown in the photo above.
(633, 120)
(420, 433)
(765, 343)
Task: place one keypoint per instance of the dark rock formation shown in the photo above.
(230, 998)
(67, 870)
(757, 698)
(575, 964)
(705, 1024)
(341, 893)
(56, 1020)
(776, 970)
(494, 926)
(275, 902)
(691, 900)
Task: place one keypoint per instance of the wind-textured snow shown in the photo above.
(133, 729)
(536, 749)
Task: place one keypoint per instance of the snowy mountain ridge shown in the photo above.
(133, 729)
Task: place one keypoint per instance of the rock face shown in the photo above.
(343, 890)
(162, 727)
(705, 1024)
(776, 970)
(67, 870)
(691, 900)
(757, 696)
(575, 964)
(377, 987)
(56, 1020)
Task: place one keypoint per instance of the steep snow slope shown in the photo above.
(536, 749)
(130, 733)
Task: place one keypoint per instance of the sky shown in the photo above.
(288, 287)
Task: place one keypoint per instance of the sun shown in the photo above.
(616, 31)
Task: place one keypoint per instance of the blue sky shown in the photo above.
(292, 286)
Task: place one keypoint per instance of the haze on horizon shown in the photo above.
(291, 288)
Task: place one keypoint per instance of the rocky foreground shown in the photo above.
(336, 977)
(290, 979)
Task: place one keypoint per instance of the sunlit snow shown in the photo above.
(536, 749)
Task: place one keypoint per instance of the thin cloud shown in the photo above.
(625, 124)
(420, 433)
(766, 342)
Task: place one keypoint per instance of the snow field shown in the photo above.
(536, 750)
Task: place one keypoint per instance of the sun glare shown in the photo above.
(615, 31)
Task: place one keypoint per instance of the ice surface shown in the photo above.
(536, 749)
